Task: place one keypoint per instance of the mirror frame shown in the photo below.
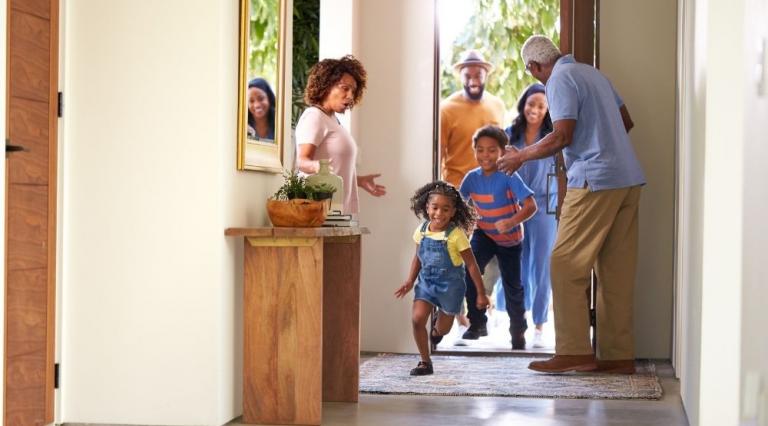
(269, 156)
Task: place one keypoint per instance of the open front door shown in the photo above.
(578, 36)
(30, 268)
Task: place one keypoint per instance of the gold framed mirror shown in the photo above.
(261, 86)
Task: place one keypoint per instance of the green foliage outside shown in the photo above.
(262, 48)
(306, 50)
(262, 40)
(498, 29)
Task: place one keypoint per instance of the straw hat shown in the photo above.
(472, 57)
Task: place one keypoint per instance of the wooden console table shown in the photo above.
(301, 321)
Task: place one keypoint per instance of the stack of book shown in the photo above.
(335, 218)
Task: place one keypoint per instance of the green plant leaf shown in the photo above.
(498, 28)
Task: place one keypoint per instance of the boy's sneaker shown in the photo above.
(422, 369)
(538, 339)
(518, 341)
(474, 333)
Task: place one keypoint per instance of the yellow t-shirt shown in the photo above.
(457, 242)
(459, 119)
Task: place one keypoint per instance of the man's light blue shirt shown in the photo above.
(600, 155)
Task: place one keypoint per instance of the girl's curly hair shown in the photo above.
(328, 72)
(465, 216)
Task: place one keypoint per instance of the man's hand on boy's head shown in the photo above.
(511, 161)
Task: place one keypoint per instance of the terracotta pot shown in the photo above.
(296, 213)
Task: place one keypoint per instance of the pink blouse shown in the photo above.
(334, 142)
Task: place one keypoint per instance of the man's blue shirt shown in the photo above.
(600, 155)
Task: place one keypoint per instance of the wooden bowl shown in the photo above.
(296, 213)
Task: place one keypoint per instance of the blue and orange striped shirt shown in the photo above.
(496, 197)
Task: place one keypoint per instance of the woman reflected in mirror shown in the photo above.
(333, 87)
(261, 110)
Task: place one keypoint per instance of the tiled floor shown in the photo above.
(381, 410)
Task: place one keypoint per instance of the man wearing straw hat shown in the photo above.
(461, 114)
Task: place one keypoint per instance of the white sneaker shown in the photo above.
(538, 340)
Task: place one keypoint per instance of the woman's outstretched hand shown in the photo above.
(368, 183)
(404, 289)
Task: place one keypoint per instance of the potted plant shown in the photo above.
(298, 203)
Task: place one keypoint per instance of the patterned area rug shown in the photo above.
(501, 376)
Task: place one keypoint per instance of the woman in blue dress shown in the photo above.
(531, 124)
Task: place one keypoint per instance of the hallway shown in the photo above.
(381, 410)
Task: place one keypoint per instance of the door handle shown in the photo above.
(13, 148)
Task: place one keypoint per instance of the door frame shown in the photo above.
(683, 203)
(3, 124)
(579, 37)
(52, 236)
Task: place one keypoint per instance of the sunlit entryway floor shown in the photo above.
(384, 410)
(498, 339)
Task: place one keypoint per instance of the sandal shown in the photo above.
(422, 369)
(434, 337)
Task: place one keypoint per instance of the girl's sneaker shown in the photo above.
(422, 369)
(538, 339)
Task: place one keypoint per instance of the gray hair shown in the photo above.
(539, 49)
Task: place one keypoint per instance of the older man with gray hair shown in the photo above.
(599, 221)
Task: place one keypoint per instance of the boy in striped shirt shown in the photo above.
(502, 203)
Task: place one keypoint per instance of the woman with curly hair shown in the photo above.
(437, 268)
(334, 86)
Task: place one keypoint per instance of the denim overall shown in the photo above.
(440, 282)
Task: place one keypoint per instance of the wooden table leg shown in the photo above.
(341, 319)
(282, 305)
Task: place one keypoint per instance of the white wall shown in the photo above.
(692, 116)
(338, 38)
(395, 137)
(723, 209)
(642, 64)
(754, 344)
(724, 322)
(151, 287)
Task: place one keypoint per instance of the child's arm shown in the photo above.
(526, 212)
(474, 272)
(415, 268)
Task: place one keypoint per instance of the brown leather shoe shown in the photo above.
(618, 366)
(565, 363)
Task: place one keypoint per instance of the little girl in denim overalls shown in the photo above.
(437, 268)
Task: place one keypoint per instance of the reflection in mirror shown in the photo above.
(261, 87)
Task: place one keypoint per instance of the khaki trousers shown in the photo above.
(597, 230)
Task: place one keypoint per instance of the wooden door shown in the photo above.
(579, 34)
(32, 103)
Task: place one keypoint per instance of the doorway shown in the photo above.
(497, 30)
